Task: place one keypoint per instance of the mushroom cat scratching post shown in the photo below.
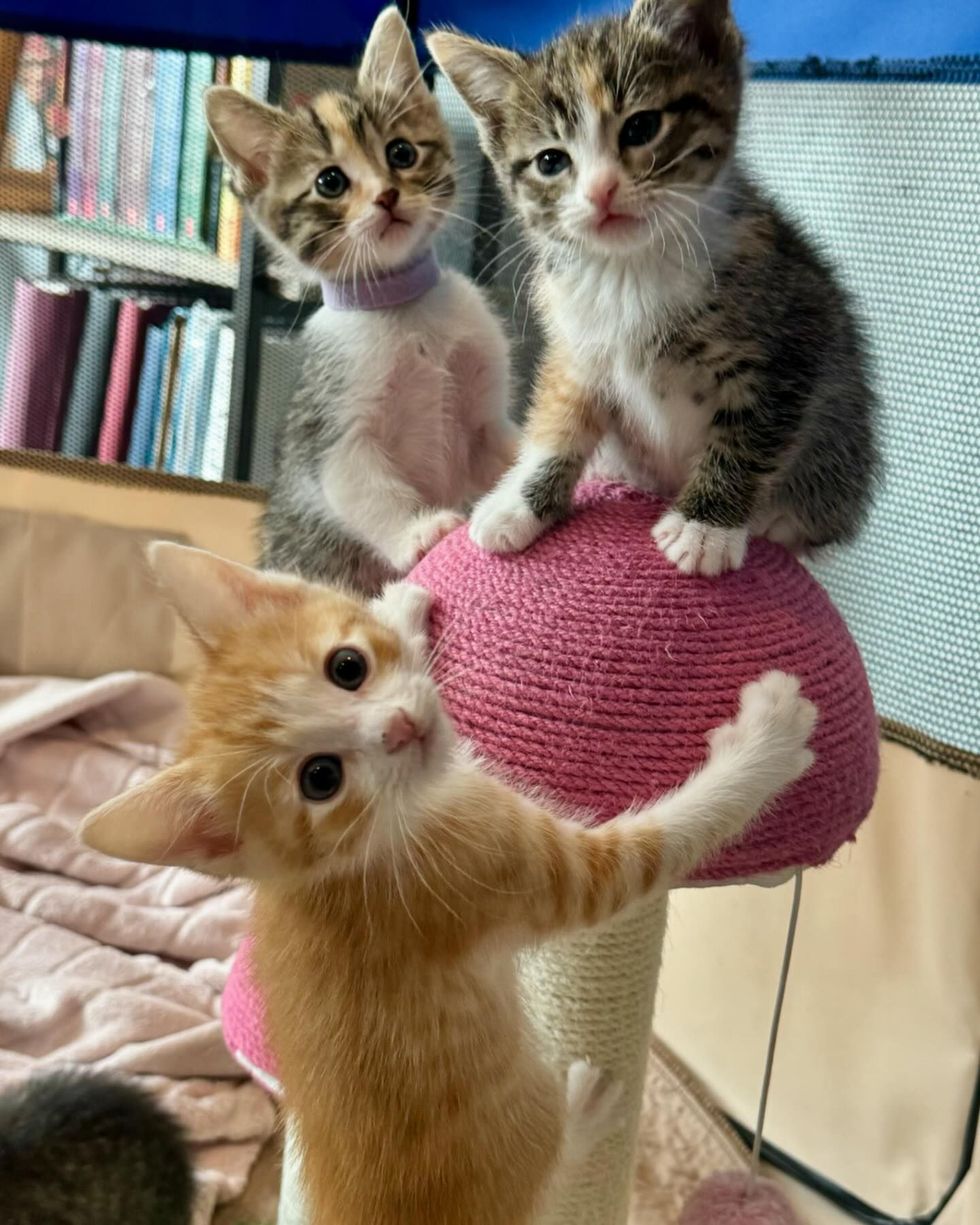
(589, 668)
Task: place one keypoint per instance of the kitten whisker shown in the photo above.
(423, 880)
(241, 806)
(687, 242)
(364, 874)
(700, 237)
(445, 212)
(675, 234)
(453, 863)
(693, 200)
(650, 177)
(394, 868)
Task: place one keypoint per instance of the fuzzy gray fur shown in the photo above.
(298, 534)
(90, 1150)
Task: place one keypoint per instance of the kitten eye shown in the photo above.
(332, 182)
(552, 162)
(320, 778)
(347, 668)
(401, 154)
(639, 129)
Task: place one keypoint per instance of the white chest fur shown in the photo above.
(608, 318)
(420, 382)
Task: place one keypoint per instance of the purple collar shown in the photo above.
(388, 289)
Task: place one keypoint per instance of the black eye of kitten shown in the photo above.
(401, 154)
(639, 129)
(332, 182)
(320, 778)
(347, 668)
(553, 161)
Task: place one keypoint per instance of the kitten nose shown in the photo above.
(601, 192)
(401, 730)
(387, 199)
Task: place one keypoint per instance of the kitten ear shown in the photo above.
(246, 132)
(705, 26)
(389, 62)
(481, 72)
(166, 820)
(212, 595)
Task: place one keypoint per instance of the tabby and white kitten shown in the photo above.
(400, 419)
(696, 340)
(395, 881)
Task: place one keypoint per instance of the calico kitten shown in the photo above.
(400, 419)
(395, 881)
(89, 1149)
(696, 339)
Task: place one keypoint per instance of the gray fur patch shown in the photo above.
(548, 492)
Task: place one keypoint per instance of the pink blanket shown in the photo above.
(106, 964)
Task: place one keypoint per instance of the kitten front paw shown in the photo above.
(502, 522)
(594, 1108)
(423, 534)
(767, 740)
(700, 548)
(405, 607)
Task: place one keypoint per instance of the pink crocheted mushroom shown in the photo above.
(589, 668)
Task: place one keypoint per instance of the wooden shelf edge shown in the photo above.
(126, 250)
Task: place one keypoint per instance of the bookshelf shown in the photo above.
(119, 248)
(131, 205)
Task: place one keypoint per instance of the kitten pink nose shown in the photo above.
(601, 192)
(387, 199)
(401, 730)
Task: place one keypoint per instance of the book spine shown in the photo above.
(46, 326)
(168, 383)
(112, 95)
(76, 131)
(230, 217)
(83, 415)
(212, 219)
(147, 398)
(135, 137)
(202, 404)
(92, 126)
(194, 150)
(127, 359)
(170, 71)
(219, 407)
(174, 456)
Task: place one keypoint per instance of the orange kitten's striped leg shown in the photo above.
(565, 424)
(589, 874)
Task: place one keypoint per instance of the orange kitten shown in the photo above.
(395, 879)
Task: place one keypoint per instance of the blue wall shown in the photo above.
(778, 29)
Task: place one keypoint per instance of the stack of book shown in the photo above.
(138, 156)
(125, 379)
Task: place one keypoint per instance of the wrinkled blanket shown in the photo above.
(105, 964)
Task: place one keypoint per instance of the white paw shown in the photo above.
(593, 1099)
(423, 534)
(700, 548)
(768, 738)
(405, 608)
(502, 522)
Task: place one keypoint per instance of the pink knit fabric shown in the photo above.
(590, 669)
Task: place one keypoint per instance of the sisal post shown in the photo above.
(591, 997)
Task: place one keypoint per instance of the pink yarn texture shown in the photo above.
(735, 1199)
(589, 669)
